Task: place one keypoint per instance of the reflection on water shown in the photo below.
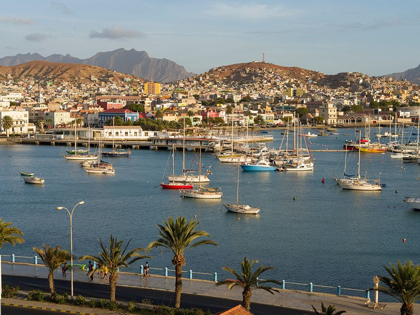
(307, 230)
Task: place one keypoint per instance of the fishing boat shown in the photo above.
(202, 192)
(26, 174)
(413, 202)
(358, 183)
(237, 208)
(262, 165)
(173, 184)
(34, 180)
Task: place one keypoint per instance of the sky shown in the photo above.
(374, 37)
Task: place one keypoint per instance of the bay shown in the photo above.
(307, 230)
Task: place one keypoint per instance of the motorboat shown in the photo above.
(101, 170)
(188, 178)
(261, 165)
(34, 180)
(298, 165)
(26, 174)
(413, 202)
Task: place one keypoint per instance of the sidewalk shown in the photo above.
(286, 298)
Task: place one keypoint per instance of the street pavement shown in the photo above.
(286, 298)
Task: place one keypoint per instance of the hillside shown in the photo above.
(412, 75)
(132, 62)
(248, 72)
(53, 71)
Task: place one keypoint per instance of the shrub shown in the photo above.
(147, 301)
(93, 303)
(113, 305)
(60, 299)
(165, 310)
(36, 295)
(131, 306)
(80, 300)
(9, 292)
(101, 303)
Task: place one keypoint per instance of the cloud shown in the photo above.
(61, 7)
(117, 32)
(36, 37)
(12, 20)
(250, 11)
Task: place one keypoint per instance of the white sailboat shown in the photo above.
(99, 167)
(76, 156)
(413, 202)
(202, 192)
(114, 152)
(187, 176)
(237, 208)
(358, 183)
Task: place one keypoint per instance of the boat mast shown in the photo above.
(173, 162)
(237, 188)
(183, 151)
(113, 132)
(199, 169)
(358, 164)
(75, 138)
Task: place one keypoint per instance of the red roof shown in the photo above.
(237, 310)
(118, 110)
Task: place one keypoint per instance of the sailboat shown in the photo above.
(114, 152)
(75, 155)
(173, 184)
(237, 208)
(202, 192)
(187, 176)
(99, 167)
(358, 183)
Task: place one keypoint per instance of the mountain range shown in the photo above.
(412, 75)
(132, 62)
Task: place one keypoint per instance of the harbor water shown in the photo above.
(308, 230)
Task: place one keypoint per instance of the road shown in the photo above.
(13, 310)
(126, 294)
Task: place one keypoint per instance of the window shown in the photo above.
(126, 133)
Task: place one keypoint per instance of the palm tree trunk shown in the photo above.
(246, 298)
(178, 285)
(407, 309)
(51, 284)
(112, 286)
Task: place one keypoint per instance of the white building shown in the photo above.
(329, 112)
(20, 122)
(58, 117)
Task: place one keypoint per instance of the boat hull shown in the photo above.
(34, 180)
(197, 194)
(413, 203)
(242, 209)
(26, 174)
(257, 168)
(80, 157)
(189, 179)
(176, 186)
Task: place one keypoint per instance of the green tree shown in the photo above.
(9, 234)
(330, 310)
(219, 120)
(135, 107)
(249, 281)
(346, 109)
(259, 120)
(7, 123)
(205, 103)
(319, 119)
(114, 258)
(48, 121)
(229, 110)
(357, 108)
(159, 114)
(79, 121)
(179, 236)
(230, 100)
(246, 99)
(403, 284)
(302, 111)
(53, 257)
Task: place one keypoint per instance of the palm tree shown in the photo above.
(327, 311)
(41, 126)
(403, 284)
(249, 281)
(179, 236)
(10, 235)
(53, 257)
(114, 258)
(7, 123)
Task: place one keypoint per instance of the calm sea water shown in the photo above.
(326, 235)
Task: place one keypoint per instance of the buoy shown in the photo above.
(323, 180)
(195, 215)
(294, 198)
(396, 191)
(238, 218)
(404, 240)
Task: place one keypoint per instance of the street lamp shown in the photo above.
(71, 241)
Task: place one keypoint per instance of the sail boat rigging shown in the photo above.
(174, 184)
(237, 208)
(114, 152)
(76, 156)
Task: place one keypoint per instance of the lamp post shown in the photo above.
(71, 241)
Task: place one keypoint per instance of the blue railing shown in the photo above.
(196, 275)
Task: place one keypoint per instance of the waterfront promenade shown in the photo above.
(286, 298)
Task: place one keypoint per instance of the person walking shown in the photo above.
(146, 270)
(91, 271)
(64, 269)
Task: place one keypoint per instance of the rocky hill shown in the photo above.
(53, 71)
(251, 71)
(132, 62)
(412, 75)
